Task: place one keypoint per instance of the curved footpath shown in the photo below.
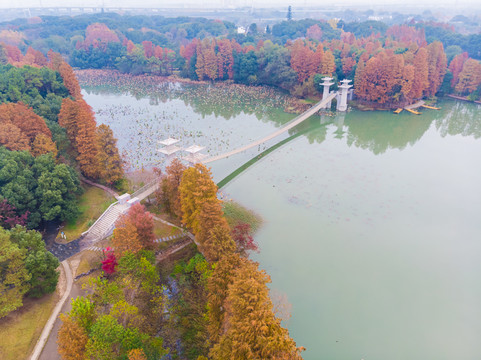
(53, 317)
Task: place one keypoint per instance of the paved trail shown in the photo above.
(54, 316)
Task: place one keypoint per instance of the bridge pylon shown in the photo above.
(327, 82)
(343, 93)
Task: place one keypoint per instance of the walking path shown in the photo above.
(53, 317)
(105, 188)
(305, 115)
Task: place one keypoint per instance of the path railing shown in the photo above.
(153, 183)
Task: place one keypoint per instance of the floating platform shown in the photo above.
(413, 111)
(431, 107)
(397, 111)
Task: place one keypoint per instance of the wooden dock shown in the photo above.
(397, 111)
(431, 107)
(413, 111)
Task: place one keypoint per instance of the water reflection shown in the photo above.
(377, 132)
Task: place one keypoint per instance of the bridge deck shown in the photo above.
(282, 130)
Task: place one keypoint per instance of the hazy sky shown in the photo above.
(227, 3)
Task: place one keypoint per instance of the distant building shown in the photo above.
(241, 30)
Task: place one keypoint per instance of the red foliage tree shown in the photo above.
(130, 46)
(407, 34)
(9, 217)
(189, 50)
(99, 34)
(314, 33)
(242, 238)
(14, 55)
(109, 262)
(144, 224)
(148, 49)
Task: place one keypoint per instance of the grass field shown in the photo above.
(92, 204)
(236, 213)
(19, 331)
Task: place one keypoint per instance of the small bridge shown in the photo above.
(296, 121)
(105, 224)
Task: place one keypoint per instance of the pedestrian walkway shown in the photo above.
(158, 241)
(296, 121)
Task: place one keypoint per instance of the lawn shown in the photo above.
(20, 330)
(236, 213)
(162, 230)
(92, 204)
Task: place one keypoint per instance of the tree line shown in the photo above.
(281, 57)
(48, 137)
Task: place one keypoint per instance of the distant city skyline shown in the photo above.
(230, 3)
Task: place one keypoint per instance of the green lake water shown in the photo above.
(372, 221)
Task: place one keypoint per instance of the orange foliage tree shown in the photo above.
(206, 66)
(168, 195)
(225, 59)
(125, 237)
(70, 80)
(13, 138)
(134, 231)
(137, 354)
(78, 119)
(456, 66)
(437, 63)
(196, 187)
(71, 339)
(470, 77)
(303, 60)
(381, 78)
(99, 34)
(25, 119)
(327, 66)
(420, 79)
(43, 145)
(250, 327)
(110, 162)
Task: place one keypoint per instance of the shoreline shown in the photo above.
(102, 77)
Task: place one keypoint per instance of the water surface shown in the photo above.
(372, 220)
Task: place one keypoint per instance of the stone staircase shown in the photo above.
(104, 226)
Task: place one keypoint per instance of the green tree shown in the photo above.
(37, 185)
(14, 277)
(40, 263)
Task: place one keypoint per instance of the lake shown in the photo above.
(372, 221)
